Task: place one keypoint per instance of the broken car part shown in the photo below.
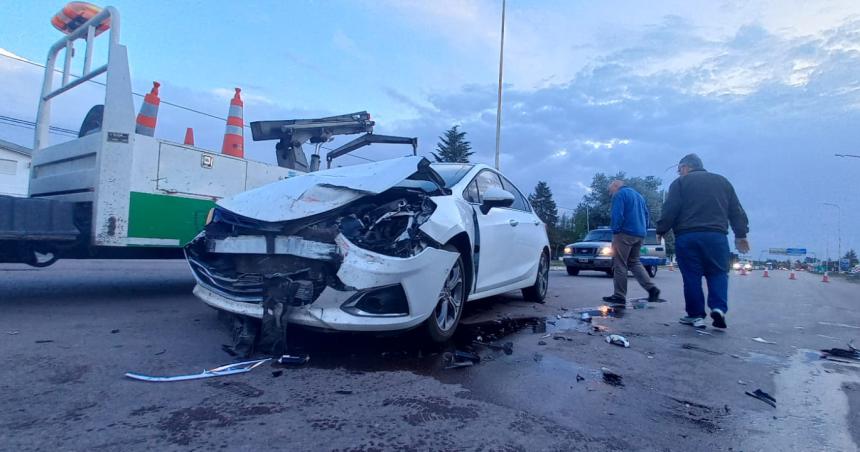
(611, 377)
(616, 339)
(229, 369)
(763, 396)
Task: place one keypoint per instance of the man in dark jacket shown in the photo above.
(700, 207)
(629, 223)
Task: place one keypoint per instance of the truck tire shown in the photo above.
(572, 271)
(652, 270)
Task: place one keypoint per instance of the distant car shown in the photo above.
(594, 252)
(383, 246)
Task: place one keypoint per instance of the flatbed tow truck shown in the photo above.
(113, 193)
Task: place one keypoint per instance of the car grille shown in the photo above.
(584, 251)
(246, 287)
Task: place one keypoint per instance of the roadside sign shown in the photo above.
(788, 251)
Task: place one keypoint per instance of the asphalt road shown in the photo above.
(70, 332)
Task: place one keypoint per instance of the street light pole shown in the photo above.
(499, 102)
(839, 233)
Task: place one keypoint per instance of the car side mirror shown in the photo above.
(496, 197)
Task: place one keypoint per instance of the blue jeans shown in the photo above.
(704, 254)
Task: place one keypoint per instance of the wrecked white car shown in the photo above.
(384, 246)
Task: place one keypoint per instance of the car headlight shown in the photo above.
(210, 215)
(606, 251)
(747, 267)
(568, 250)
(736, 266)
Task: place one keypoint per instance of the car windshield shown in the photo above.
(451, 172)
(599, 235)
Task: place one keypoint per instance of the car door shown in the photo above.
(497, 229)
(529, 234)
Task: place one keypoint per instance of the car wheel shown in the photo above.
(537, 291)
(610, 273)
(652, 270)
(449, 305)
(572, 271)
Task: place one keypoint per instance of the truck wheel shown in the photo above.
(572, 271)
(652, 270)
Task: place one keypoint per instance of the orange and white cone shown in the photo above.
(189, 137)
(765, 274)
(234, 143)
(825, 278)
(148, 112)
(791, 275)
(671, 266)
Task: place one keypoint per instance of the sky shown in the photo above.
(766, 92)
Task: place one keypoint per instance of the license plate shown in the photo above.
(584, 261)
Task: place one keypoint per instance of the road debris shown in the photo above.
(537, 357)
(459, 359)
(700, 349)
(704, 333)
(44, 341)
(599, 328)
(616, 339)
(229, 369)
(763, 341)
(12, 333)
(163, 351)
(277, 373)
(611, 377)
(292, 360)
(843, 325)
(585, 317)
(114, 331)
(741, 382)
(841, 354)
(579, 378)
(343, 392)
(541, 342)
(763, 396)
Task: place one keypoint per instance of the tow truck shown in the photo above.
(113, 193)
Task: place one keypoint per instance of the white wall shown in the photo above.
(14, 184)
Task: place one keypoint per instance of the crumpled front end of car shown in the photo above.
(364, 266)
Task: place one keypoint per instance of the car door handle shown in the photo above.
(513, 222)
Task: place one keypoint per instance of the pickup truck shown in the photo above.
(594, 252)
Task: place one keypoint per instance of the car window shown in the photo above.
(651, 238)
(519, 200)
(598, 235)
(471, 192)
(452, 173)
(487, 179)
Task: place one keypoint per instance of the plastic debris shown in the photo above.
(229, 369)
(12, 333)
(763, 396)
(700, 349)
(459, 359)
(290, 360)
(611, 377)
(616, 339)
(585, 317)
(841, 354)
(763, 341)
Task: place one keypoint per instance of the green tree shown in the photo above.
(545, 208)
(851, 255)
(453, 147)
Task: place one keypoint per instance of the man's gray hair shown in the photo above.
(693, 161)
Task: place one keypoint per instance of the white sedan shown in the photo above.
(385, 246)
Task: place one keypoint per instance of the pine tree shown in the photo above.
(543, 204)
(453, 147)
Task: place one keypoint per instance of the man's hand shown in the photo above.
(742, 245)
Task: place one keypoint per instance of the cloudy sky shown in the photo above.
(766, 92)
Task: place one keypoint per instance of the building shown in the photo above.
(14, 169)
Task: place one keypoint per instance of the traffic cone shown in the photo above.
(825, 278)
(791, 275)
(671, 266)
(234, 144)
(765, 274)
(148, 112)
(189, 136)
(743, 272)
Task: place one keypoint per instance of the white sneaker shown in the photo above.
(695, 322)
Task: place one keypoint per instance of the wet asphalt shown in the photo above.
(70, 332)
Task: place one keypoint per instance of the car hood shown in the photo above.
(319, 192)
(590, 244)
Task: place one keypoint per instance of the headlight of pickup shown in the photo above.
(606, 251)
(568, 250)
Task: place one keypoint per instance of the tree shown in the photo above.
(545, 208)
(453, 147)
(851, 255)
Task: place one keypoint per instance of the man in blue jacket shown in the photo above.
(629, 223)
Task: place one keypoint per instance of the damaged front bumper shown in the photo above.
(369, 291)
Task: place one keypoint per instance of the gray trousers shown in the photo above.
(625, 256)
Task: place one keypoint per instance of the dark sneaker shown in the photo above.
(654, 295)
(695, 322)
(615, 299)
(719, 318)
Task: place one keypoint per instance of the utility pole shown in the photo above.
(838, 232)
(499, 103)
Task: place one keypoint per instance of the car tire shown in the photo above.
(537, 291)
(441, 324)
(610, 273)
(572, 271)
(652, 270)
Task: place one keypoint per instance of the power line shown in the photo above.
(8, 120)
(175, 105)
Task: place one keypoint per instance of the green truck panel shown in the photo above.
(166, 217)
